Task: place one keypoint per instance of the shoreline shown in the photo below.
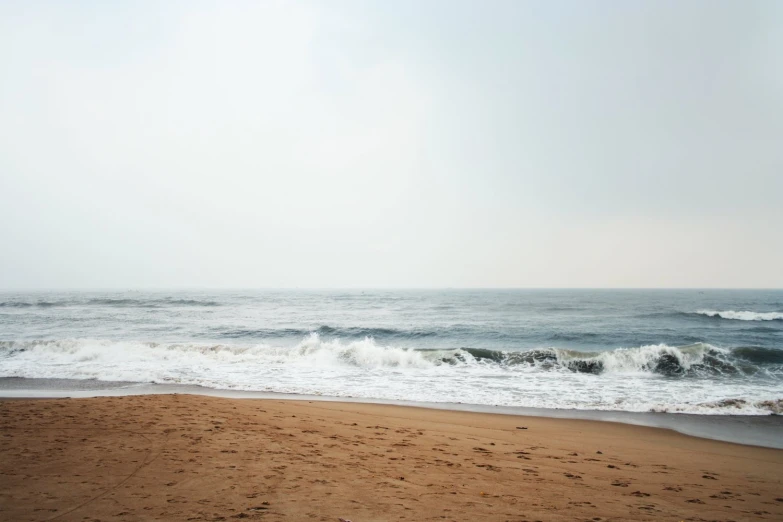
(143, 457)
(751, 430)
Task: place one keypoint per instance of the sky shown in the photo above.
(403, 144)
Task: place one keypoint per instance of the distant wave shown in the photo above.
(28, 304)
(152, 303)
(375, 332)
(743, 316)
(111, 302)
(329, 331)
(391, 334)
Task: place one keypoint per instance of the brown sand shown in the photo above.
(181, 457)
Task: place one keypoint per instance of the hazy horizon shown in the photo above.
(228, 289)
(378, 145)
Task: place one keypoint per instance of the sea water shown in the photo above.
(689, 351)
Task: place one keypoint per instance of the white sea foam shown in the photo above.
(643, 359)
(743, 315)
(368, 369)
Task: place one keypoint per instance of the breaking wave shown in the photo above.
(700, 378)
(311, 351)
(695, 360)
(743, 315)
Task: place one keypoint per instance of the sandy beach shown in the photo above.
(184, 457)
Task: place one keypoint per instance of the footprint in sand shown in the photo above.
(488, 467)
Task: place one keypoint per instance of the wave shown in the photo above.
(255, 333)
(111, 302)
(149, 303)
(312, 350)
(695, 360)
(375, 332)
(742, 315)
(29, 304)
(700, 378)
(759, 355)
(330, 331)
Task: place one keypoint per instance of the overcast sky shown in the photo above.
(391, 144)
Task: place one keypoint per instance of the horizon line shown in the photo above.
(371, 288)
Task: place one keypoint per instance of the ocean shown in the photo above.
(717, 352)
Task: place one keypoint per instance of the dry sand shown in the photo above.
(182, 457)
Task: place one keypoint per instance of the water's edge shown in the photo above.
(752, 430)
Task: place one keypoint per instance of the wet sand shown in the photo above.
(755, 430)
(187, 457)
